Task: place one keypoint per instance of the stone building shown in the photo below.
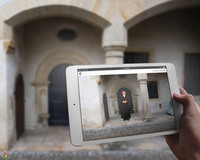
(39, 39)
(100, 97)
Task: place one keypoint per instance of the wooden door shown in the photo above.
(19, 104)
(105, 103)
(58, 108)
(128, 92)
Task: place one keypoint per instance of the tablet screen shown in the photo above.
(118, 102)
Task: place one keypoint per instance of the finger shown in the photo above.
(188, 102)
(182, 91)
(173, 142)
(179, 98)
(184, 98)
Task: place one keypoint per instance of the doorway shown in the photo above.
(58, 108)
(128, 92)
(19, 105)
(105, 103)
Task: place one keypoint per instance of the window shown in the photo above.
(152, 89)
(67, 34)
(136, 57)
(192, 73)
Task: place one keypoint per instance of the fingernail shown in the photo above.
(177, 94)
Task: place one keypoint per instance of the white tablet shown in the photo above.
(110, 103)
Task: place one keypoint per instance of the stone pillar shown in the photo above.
(142, 78)
(114, 43)
(114, 55)
(6, 36)
(93, 114)
(3, 99)
(41, 94)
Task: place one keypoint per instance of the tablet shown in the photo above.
(110, 103)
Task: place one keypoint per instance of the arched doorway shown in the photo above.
(128, 92)
(58, 108)
(105, 103)
(19, 105)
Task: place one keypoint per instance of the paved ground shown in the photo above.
(91, 155)
(53, 143)
(135, 126)
(135, 119)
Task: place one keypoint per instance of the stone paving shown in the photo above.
(91, 155)
(53, 143)
(135, 126)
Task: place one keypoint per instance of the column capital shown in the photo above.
(40, 83)
(142, 77)
(114, 51)
(115, 35)
(112, 47)
(114, 41)
(9, 46)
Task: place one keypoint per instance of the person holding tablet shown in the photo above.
(186, 144)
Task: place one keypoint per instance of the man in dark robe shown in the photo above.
(125, 110)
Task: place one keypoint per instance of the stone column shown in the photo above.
(41, 94)
(3, 98)
(114, 54)
(114, 43)
(142, 78)
(6, 36)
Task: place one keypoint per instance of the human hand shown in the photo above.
(186, 144)
(124, 101)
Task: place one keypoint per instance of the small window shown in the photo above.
(192, 73)
(136, 57)
(152, 89)
(67, 34)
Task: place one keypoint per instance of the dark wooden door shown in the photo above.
(58, 108)
(19, 104)
(128, 92)
(105, 103)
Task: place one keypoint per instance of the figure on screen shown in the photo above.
(125, 110)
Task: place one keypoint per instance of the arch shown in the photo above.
(55, 59)
(105, 104)
(114, 96)
(129, 94)
(41, 82)
(158, 8)
(57, 106)
(25, 11)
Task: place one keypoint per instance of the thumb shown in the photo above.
(187, 101)
(179, 98)
(184, 98)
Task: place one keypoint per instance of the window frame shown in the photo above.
(149, 51)
(158, 89)
(196, 97)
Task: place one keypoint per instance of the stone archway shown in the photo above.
(129, 95)
(41, 82)
(152, 8)
(132, 89)
(25, 12)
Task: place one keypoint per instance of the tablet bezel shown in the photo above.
(74, 109)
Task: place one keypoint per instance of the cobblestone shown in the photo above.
(91, 155)
(53, 143)
(161, 123)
